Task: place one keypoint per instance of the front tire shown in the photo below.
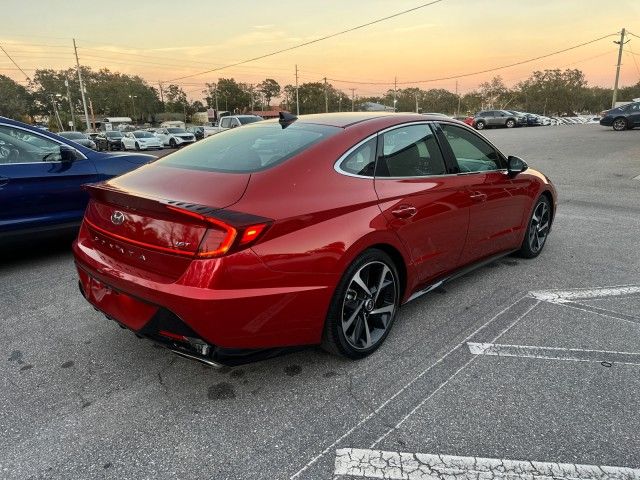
(480, 125)
(363, 306)
(620, 124)
(510, 123)
(172, 143)
(537, 230)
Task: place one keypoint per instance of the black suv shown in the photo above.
(622, 118)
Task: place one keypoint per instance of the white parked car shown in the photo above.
(174, 137)
(140, 140)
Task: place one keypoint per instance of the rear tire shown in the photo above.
(537, 229)
(363, 307)
(620, 124)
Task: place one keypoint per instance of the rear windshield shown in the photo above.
(143, 135)
(246, 120)
(73, 135)
(249, 149)
(113, 134)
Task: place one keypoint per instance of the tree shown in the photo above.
(494, 93)
(270, 89)
(14, 99)
(175, 99)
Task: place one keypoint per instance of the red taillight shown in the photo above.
(252, 233)
(220, 236)
(217, 241)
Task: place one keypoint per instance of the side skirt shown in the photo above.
(458, 273)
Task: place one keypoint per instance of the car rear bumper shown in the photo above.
(270, 310)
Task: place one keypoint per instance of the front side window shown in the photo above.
(362, 160)
(472, 152)
(22, 146)
(410, 151)
(225, 123)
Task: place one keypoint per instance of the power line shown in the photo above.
(310, 42)
(14, 62)
(494, 69)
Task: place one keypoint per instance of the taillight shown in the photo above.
(252, 233)
(221, 236)
(217, 241)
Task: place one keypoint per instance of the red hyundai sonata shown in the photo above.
(311, 230)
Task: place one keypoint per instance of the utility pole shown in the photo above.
(326, 98)
(417, 110)
(459, 99)
(215, 92)
(353, 99)
(84, 100)
(340, 102)
(615, 86)
(297, 98)
(73, 116)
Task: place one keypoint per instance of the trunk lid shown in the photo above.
(155, 218)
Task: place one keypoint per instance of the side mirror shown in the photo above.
(516, 165)
(67, 153)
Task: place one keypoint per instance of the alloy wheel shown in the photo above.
(369, 305)
(619, 124)
(539, 226)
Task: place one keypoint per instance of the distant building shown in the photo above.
(267, 113)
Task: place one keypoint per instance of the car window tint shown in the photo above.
(362, 160)
(410, 151)
(472, 153)
(249, 149)
(22, 146)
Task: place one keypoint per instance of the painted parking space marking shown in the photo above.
(602, 312)
(554, 353)
(364, 463)
(565, 296)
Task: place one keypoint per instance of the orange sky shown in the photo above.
(162, 40)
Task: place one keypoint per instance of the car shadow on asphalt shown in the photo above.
(29, 252)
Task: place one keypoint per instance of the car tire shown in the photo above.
(480, 125)
(172, 143)
(510, 123)
(619, 124)
(137, 146)
(538, 228)
(360, 318)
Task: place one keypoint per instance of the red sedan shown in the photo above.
(311, 230)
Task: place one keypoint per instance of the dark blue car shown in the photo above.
(41, 175)
(622, 118)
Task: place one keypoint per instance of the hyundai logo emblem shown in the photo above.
(117, 217)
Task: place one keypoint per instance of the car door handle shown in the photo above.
(405, 211)
(478, 196)
(3, 181)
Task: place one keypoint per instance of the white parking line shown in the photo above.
(554, 353)
(564, 296)
(405, 387)
(419, 466)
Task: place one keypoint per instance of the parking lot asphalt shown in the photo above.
(531, 361)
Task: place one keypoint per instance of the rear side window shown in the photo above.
(410, 151)
(362, 160)
(249, 149)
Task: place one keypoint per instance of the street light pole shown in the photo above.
(73, 116)
(133, 102)
(55, 110)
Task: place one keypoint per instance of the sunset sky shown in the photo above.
(162, 40)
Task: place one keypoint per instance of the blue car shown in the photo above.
(41, 175)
